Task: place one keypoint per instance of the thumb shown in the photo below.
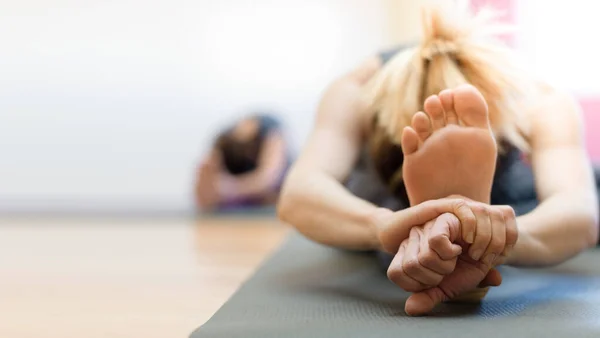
(382, 220)
(421, 303)
(493, 278)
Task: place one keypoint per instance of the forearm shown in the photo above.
(324, 211)
(253, 184)
(559, 228)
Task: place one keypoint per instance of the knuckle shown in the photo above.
(411, 266)
(497, 214)
(398, 277)
(512, 235)
(496, 245)
(435, 241)
(427, 259)
(471, 218)
(508, 211)
(395, 274)
(460, 203)
(460, 206)
(449, 218)
(479, 208)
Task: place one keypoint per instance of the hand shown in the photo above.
(423, 261)
(481, 234)
(394, 227)
(495, 235)
(428, 255)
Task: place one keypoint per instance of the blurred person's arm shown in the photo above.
(271, 165)
(207, 180)
(566, 221)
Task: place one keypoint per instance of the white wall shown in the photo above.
(107, 104)
(558, 40)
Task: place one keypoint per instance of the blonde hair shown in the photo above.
(456, 48)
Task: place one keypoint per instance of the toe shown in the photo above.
(470, 107)
(433, 108)
(447, 98)
(410, 141)
(421, 124)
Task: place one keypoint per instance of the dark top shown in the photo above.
(513, 180)
(242, 157)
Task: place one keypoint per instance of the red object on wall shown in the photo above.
(507, 7)
(590, 104)
(591, 111)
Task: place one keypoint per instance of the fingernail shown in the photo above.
(489, 259)
(477, 254)
(470, 238)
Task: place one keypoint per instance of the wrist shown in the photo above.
(378, 221)
(525, 246)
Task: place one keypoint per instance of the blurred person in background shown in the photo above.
(450, 159)
(245, 165)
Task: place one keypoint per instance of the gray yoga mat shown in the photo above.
(306, 290)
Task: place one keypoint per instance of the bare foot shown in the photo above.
(450, 149)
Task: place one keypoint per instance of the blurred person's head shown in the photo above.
(455, 49)
(240, 145)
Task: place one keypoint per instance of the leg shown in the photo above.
(451, 150)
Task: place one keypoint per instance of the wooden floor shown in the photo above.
(110, 278)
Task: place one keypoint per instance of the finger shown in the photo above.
(483, 233)
(393, 228)
(411, 265)
(431, 260)
(397, 275)
(512, 232)
(498, 240)
(493, 278)
(468, 225)
(444, 230)
(422, 303)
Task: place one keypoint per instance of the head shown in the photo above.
(455, 49)
(240, 146)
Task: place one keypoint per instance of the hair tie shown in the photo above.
(438, 47)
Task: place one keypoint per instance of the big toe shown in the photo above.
(470, 106)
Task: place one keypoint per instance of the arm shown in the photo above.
(566, 221)
(207, 178)
(272, 162)
(315, 202)
(313, 199)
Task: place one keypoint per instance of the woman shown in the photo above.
(245, 166)
(407, 158)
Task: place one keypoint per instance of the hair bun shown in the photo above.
(438, 47)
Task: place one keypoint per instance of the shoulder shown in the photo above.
(556, 118)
